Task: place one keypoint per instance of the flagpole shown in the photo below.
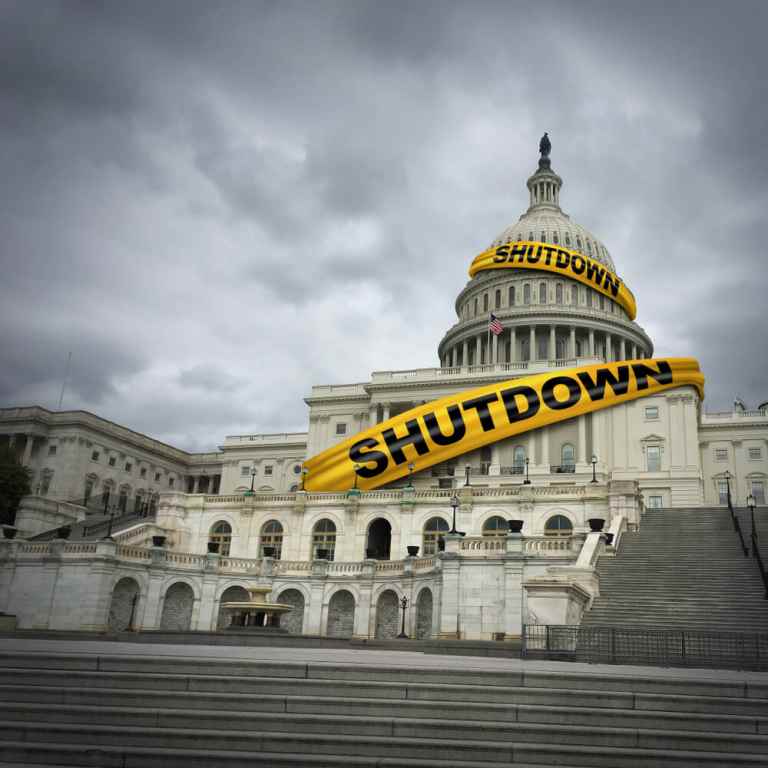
(488, 348)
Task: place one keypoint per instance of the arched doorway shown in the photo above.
(424, 614)
(387, 614)
(293, 622)
(177, 608)
(123, 606)
(230, 595)
(341, 615)
(379, 540)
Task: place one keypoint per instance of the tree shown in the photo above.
(14, 483)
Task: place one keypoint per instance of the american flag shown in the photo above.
(495, 326)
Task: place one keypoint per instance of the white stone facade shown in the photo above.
(658, 451)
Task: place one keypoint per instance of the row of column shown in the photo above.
(25, 456)
(598, 344)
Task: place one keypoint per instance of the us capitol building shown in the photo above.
(188, 533)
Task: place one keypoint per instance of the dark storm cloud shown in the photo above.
(214, 206)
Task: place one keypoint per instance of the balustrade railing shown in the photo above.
(562, 469)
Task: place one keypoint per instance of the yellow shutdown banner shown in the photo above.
(454, 425)
(526, 254)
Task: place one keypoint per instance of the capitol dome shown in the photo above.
(545, 222)
(542, 320)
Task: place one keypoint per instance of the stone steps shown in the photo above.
(683, 569)
(141, 710)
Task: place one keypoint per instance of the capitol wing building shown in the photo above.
(190, 532)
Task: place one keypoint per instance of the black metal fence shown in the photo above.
(655, 647)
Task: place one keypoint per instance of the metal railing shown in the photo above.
(654, 647)
(559, 469)
(737, 525)
(515, 469)
(755, 546)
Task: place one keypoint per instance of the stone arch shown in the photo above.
(558, 525)
(292, 622)
(424, 612)
(378, 541)
(233, 594)
(123, 607)
(177, 607)
(542, 517)
(341, 614)
(387, 615)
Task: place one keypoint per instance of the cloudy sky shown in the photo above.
(215, 205)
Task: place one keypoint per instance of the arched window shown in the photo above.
(601, 300)
(511, 295)
(108, 488)
(567, 455)
(578, 241)
(555, 239)
(543, 237)
(579, 351)
(434, 529)
(485, 302)
(530, 235)
(495, 526)
(497, 302)
(589, 247)
(221, 535)
(559, 293)
(122, 500)
(526, 294)
(525, 349)
(89, 484)
(561, 348)
(519, 458)
(324, 538)
(558, 525)
(567, 239)
(542, 293)
(271, 539)
(475, 307)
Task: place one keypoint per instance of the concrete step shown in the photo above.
(506, 744)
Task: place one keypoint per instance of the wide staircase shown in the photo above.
(125, 710)
(684, 569)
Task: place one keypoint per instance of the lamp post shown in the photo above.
(527, 480)
(304, 473)
(454, 504)
(108, 537)
(751, 505)
(403, 605)
(357, 466)
(728, 486)
(253, 477)
(411, 467)
(467, 470)
(594, 464)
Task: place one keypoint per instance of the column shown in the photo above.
(552, 343)
(591, 343)
(532, 345)
(582, 447)
(478, 349)
(453, 357)
(464, 351)
(545, 448)
(385, 414)
(30, 439)
(512, 345)
(608, 347)
(623, 350)
(373, 415)
(572, 342)
(495, 468)
(634, 351)
(495, 349)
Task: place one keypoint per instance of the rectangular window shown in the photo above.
(758, 492)
(653, 454)
(755, 453)
(157, 476)
(721, 454)
(542, 348)
(268, 469)
(128, 466)
(654, 502)
(341, 429)
(652, 412)
(245, 471)
(95, 456)
(722, 491)
(112, 461)
(171, 482)
(51, 450)
(143, 472)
